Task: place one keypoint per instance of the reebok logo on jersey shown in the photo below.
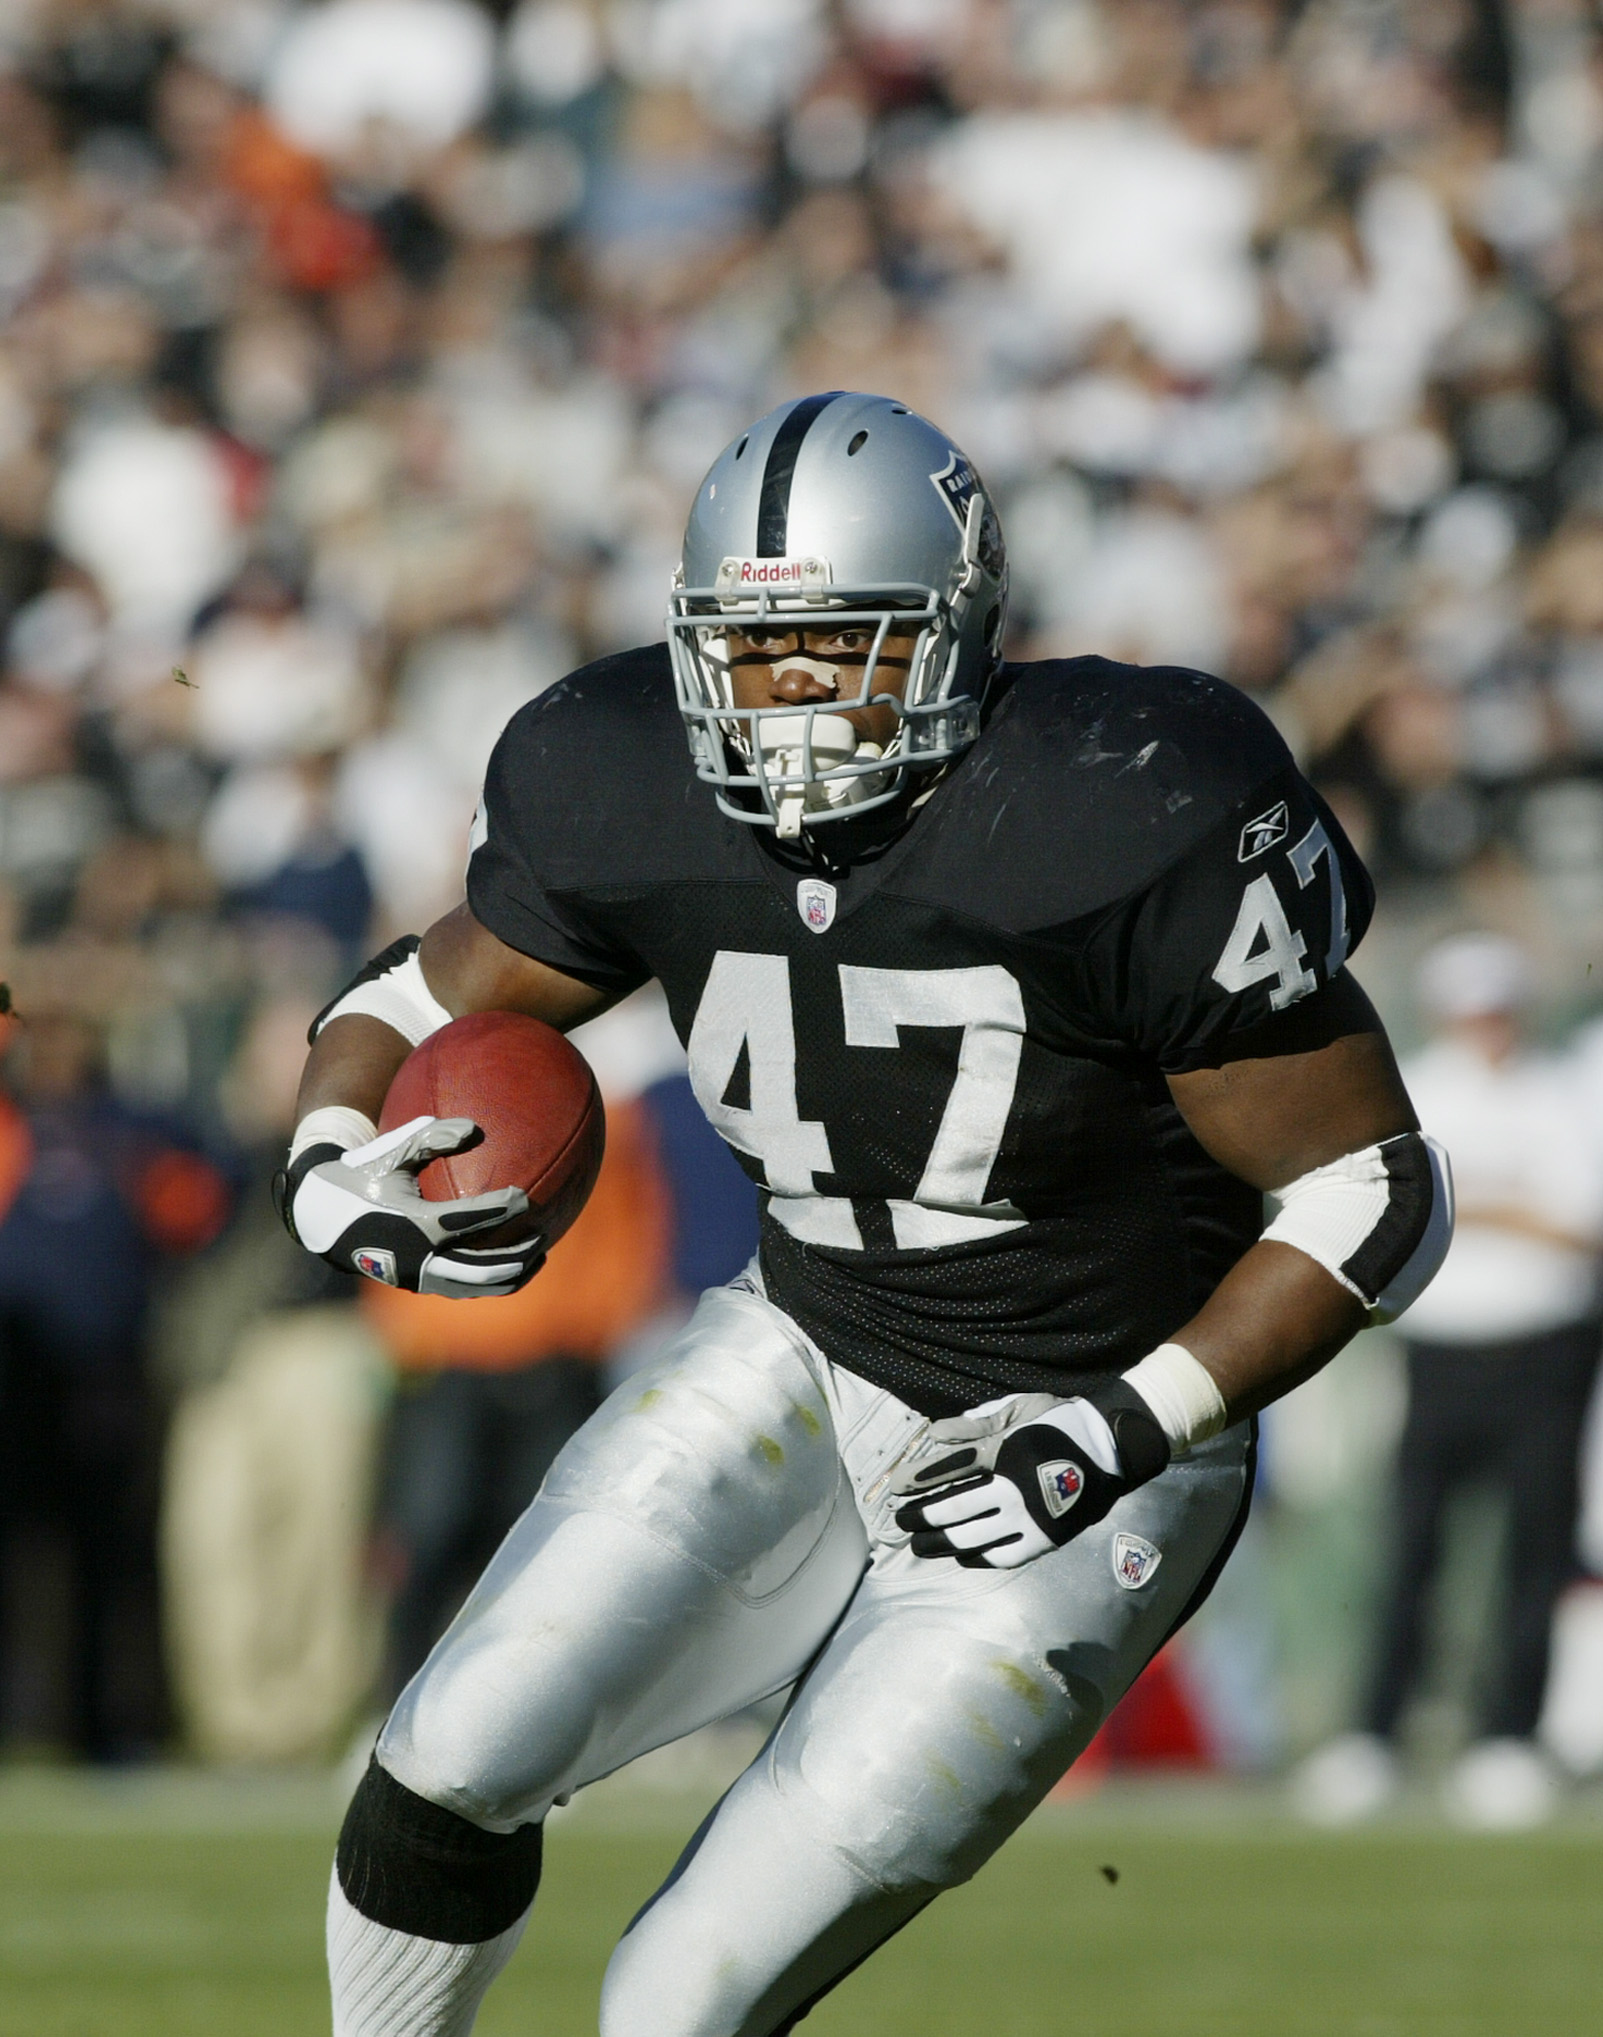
(1134, 1561)
(1061, 1485)
(751, 576)
(376, 1263)
(815, 901)
(1264, 832)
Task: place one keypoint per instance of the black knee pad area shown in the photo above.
(406, 1864)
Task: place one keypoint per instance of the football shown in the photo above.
(535, 1101)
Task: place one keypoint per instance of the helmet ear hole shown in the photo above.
(746, 441)
(859, 440)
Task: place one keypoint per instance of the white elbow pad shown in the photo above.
(1379, 1221)
(391, 987)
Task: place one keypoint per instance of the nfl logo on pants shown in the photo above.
(1134, 1560)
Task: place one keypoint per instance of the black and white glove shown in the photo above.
(362, 1210)
(1008, 1481)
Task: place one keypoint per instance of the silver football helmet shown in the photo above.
(833, 511)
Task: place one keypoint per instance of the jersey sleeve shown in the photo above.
(1226, 952)
(524, 800)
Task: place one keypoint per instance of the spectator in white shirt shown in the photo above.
(1501, 1350)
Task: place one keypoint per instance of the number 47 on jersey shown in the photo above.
(1265, 947)
(746, 1010)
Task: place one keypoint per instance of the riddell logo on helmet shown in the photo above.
(752, 575)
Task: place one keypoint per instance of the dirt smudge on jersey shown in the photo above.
(985, 1732)
(1022, 1684)
(944, 1774)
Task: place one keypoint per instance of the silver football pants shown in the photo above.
(722, 1527)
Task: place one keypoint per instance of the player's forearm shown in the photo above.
(1271, 1323)
(1011, 1479)
(459, 968)
(363, 1036)
(1364, 1221)
(351, 1065)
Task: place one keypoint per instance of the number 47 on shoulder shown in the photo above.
(1264, 946)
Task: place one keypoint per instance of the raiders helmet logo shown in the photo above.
(1264, 832)
(1062, 1483)
(1134, 1561)
(955, 484)
(376, 1263)
(815, 901)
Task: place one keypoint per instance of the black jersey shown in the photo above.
(943, 1063)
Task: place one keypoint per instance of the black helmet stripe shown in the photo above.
(773, 504)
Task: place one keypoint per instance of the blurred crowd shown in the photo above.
(358, 361)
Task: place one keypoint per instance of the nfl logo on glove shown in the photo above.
(1061, 1485)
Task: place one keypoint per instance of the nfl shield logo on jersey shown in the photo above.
(376, 1263)
(1061, 1485)
(1134, 1561)
(815, 901)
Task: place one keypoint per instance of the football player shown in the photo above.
(1014, 988)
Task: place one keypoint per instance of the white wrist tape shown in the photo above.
(332, 1124)
(399, 995)
(1182, 1393)
(1379, 1220)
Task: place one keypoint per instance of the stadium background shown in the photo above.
(357, 363)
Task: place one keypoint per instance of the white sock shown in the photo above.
(389, 1984)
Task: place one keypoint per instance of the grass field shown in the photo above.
(189, 1910)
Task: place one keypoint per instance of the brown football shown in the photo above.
(534, 1099)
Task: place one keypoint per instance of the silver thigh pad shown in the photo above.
(690, 1549)
(944, 1706)
(949, 1700)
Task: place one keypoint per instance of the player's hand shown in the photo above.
(1008, 1481)
(363, 1211)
